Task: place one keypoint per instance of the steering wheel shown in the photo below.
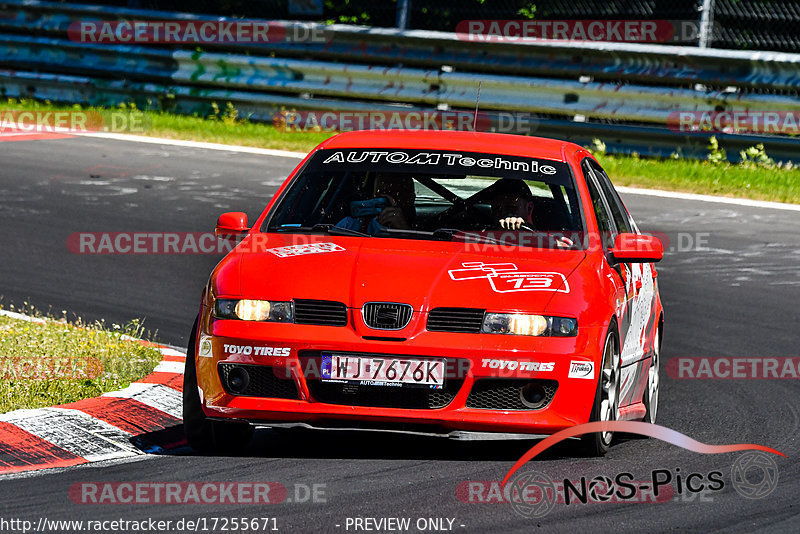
(459, 206)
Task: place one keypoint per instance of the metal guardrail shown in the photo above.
(602, 61)
(621, 93)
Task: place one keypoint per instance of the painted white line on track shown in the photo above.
(17, 133)
(170, 367)
(195, 144)
(166, 351)
(708, 198)
(22, 317)
(301, 155)
(85, 436)
(102, 464)
(160, 397)
(76, 432)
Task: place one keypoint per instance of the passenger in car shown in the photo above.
(392, 206)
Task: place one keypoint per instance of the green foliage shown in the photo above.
(598, 147)
(52, 361)
(716, 154)
(230, 116)
(756, 156)
(348, 12)
(528, 11)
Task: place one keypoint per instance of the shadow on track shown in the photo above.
(361, 445)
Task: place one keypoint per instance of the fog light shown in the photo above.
(238, 380)
(532, 396)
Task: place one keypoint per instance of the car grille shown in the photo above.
(384, 397)
(386, 315)
(320, 312)
(263, 381)
(506, 394)
(350, 394)
(461, 320)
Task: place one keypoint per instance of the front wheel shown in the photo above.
(202, 434)
(606, 399)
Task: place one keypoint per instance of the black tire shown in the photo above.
(598, 443)
(202, 434)
(651, 404)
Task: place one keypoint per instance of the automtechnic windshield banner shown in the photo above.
(442, 162)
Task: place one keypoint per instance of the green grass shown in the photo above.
(57, 362)
(222, 126)
(760, 183)
(230, 132)
(225, 126)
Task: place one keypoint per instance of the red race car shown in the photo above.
(447, 283)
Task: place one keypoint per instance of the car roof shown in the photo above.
(491, 143)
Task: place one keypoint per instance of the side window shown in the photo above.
(604, 222)
(614, 202)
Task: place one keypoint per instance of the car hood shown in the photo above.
(424, 274)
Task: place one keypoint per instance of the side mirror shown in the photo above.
(637, 248)
(231, 225)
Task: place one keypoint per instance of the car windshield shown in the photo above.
(431, 195)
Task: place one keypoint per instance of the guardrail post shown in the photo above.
(706, 23)
(403, 7)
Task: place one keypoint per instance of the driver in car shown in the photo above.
(392, 206)
(512, 206)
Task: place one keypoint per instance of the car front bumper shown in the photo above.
(284, 360)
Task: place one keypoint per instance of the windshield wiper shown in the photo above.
(337, 230)
(446, 233)
(327, 228)
(404, 232)
(450, 233)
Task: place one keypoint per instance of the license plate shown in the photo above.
(382, 371)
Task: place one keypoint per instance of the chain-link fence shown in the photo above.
(756, 25)
(731, 24)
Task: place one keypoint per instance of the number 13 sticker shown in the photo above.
(513, 282)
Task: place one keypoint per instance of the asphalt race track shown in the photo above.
(736, 296)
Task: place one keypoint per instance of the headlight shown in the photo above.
(522, 324)
(254, 310)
